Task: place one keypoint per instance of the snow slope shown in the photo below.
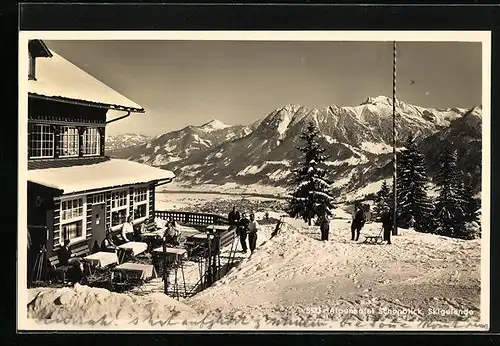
(297, 280)
(295, 275)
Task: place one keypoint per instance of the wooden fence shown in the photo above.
(189, 218)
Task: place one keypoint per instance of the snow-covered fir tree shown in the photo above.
(470, 208)
(412, 185)
(383, 200)
(449, 210)
(312, 196)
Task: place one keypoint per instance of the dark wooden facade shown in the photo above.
(60, 114)
(44, 204)
(49, 118)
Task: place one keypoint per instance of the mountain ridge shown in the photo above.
(358, 139)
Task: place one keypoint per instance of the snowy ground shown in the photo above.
(296, 274)
(294, 280)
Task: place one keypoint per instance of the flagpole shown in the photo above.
(394, 167)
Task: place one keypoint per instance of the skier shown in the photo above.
(324, 227)
(234, 217)
(253, 227)
(411, 223)
(358, 222)
(387, 223)
(242, 231)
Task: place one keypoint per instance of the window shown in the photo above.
(98, 199)
(91, 142)
(119, 207)
(69, 142)
(41, 142)
(72, 219)
(140, 203)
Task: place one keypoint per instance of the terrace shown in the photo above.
(147, 264)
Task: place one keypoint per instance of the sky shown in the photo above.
(182, 83)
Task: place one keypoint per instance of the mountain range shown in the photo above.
(358, 141)
(125, 141)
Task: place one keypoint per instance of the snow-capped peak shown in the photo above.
(214, 125)
(378, 99)
(476, 111)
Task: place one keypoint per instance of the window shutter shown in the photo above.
(30, 131)
(102, 141)
(81, 131)
(57, 142)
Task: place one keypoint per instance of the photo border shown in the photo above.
(488, 13)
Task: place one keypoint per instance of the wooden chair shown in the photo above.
(58, 268)
(80, 250)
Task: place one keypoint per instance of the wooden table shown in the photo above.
(134, 246)
(102, 259)
(177, 252)
(135, 271)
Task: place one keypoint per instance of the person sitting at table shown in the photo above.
(66, 257)
(172, 234)
(139, 231)
(127, 228)
(107, 244)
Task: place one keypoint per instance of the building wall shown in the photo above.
(55, 236)
(41, 212)
(57, 115)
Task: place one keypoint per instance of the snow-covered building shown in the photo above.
(75, 192)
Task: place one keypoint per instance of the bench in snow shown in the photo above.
(373, 239)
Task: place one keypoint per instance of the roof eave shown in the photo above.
(46, 49)
(87, 103)
(61, 192)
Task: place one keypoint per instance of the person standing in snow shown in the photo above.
(127, 228)
(411, 223)
(324, 227)
(358, 222)
(253, 227)
(387, 223)
(234, 218)
(242, 231)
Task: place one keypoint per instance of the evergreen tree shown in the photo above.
(449, 211)
(312, 196)
(382, 200)
(412, 185)
(470, 208)
(471, 203)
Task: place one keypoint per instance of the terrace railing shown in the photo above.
(189, 218)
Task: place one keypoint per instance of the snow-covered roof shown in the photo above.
(111, 173)
(59, 79)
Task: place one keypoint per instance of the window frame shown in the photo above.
(86, 144)
(41, 148)
(116, 209)
(61, 138)
(98, 198)
(138, 191)
(81, 218)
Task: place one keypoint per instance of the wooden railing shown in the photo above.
(189, 218)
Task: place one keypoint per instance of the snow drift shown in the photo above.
(82, 304)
